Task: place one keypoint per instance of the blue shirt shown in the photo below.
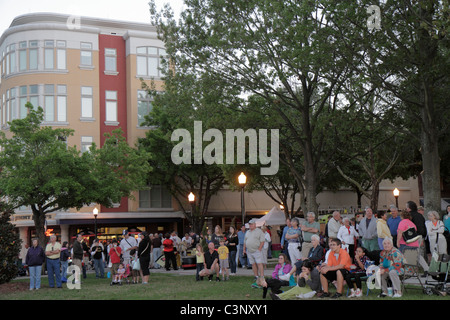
(241, 237)
(393, 224)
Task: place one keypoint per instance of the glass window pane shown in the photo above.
(155, 197)
(111, 95)
(49, 108)
(62, 108)
(141, 50)
(61, 59)
(61, 89)
(23, 109)
(86, 107)
(33, 59)
(144, 199)
(49, 89)
(153, 67)
(111, 111)
(110, 63)
(34, 101)
(152, 50)
(141, 65)
(48, 63)
(86, 58)
(34, 89)
(86, 91)
(22, 60)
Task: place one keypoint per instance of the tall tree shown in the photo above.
(39, 170)
(281, 51)
(408, 60)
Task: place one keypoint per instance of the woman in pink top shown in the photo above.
(404, 225)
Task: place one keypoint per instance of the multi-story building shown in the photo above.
(85, 73)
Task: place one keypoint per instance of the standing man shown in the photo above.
(156, 250)
(419, 220)
(77, 255)
(97, 253)
(368, 231)
(283, 242)
(241, 236)
(393, 222)
(52, 251)
(253, 245)
(334, 224)
(129, 246)
(309, 227)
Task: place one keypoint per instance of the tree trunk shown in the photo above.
(431, 176)
(39, 222)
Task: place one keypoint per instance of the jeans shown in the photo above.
(232, 259)
(242, 259)
(53, 271)
(199, 267)
(64, 265)
(35, 277)
(99, 268)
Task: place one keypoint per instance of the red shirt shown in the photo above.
(168, 245)
(115, 256)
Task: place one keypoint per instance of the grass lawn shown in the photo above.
(166, 286)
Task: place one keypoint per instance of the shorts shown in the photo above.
(255, 257)
(223, 263)
(332, 274)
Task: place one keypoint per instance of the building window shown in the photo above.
(22, 56)
(149, 61)
(33, 54)
(55, 105)
(61, 63)
(49, 54)
(23, 92)
(86, 103)
(111, 107)
(110, 60)
(144, 106)
(86, 143)
(156, 196)
(86, 53)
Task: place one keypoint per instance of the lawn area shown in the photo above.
(169, 286)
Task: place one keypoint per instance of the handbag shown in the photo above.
(136, 264)
(410, 235)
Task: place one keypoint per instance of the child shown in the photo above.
(114, 255)
(119, 274)
(200, 259)
(223, 259)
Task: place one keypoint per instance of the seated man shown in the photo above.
(336, 268)
(211, 263)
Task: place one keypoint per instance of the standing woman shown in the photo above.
(216, 236)
(435, 232)
(232, 243)
(144, 256)
(34, 260)
(169, 254)
(293, 237)
(383, 230)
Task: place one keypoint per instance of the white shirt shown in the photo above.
(345, 236)
(124, 245)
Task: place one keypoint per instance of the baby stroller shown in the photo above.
(124, 277)
(439, 270)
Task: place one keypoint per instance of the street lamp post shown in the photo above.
(396, 194)
(242, 182)
(95, 212)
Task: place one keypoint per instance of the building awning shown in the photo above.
(119, 217)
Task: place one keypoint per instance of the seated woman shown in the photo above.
(315, 256)
(391, 266)
(307, 285)
(280, 276)
(353, 278)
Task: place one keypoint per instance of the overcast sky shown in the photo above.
(127, 10)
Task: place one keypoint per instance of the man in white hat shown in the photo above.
(253, 245)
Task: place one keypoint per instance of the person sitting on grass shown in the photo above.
(281, 276)
(336, 268)
(307, 285)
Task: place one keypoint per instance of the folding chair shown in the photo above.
(439, 271)
(411, 266)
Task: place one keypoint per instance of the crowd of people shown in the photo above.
(348, 246)
(309, 262)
